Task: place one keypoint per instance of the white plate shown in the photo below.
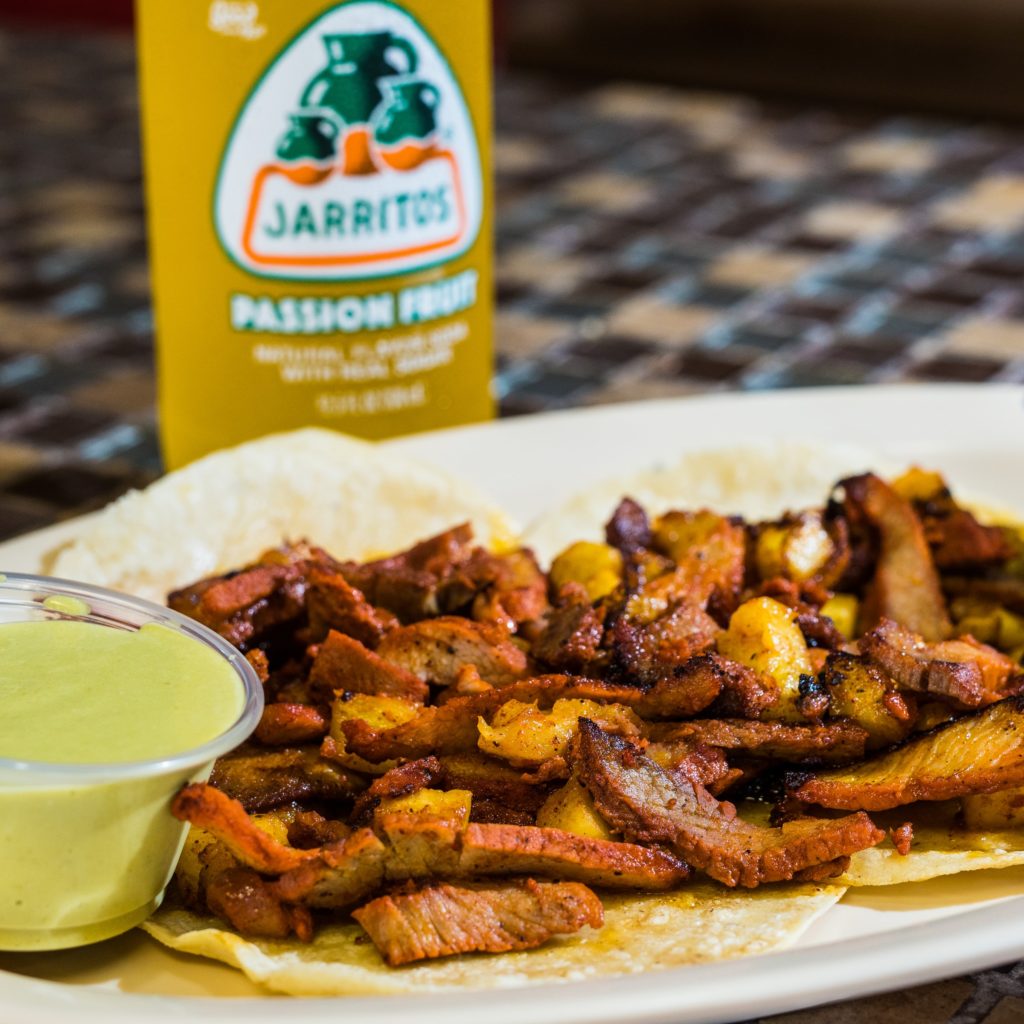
(876, 939)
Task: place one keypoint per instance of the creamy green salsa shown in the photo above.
(80, 693)
(85, 852)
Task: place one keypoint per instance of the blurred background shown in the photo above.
(692, 196)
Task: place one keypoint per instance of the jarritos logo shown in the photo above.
(354, 155)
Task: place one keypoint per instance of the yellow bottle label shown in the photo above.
(319, 207)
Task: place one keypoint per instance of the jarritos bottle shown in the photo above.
(318, 186)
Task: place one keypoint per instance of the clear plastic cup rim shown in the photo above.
(121, 611)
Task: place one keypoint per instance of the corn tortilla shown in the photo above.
(700, 922)
(351, 497)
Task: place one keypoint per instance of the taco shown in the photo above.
(680, 743)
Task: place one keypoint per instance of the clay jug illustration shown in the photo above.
(350, 86)
(405, 129)
(310, 139)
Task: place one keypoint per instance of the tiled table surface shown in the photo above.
(651, 242)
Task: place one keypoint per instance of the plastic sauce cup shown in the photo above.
(86, 850)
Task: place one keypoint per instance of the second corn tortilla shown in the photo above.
(758, 480)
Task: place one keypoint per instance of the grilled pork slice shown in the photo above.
(514, 589)
(241, 897)
(443, 920)
(344, 664)
(977, 753)
(413, 846)
(653, 651)
(571, 637)
(407, 845)
(964, 672)
(263, 779)
(646, 803)
(435, 650)
(835, 741)
(905, 586)
(208, 808)
(285, 724)
(333, 603)
(242, 606)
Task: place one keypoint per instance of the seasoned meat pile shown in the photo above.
(458, 747)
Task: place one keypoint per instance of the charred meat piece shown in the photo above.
(629, 529)
(443, 920)
(958, 541)
(691, 688)
(491, 780)
(284, 725)
(837, 742)
(243, 899)
(651, 652)
(308, 830)
(964, 672)
(421, 581)
(333, 603)
(512, 590)
(646, 803)
(701, 764)
(905, 586)
(978, 753)
(243, 606)
(263, 779)
(570, 640)
(435, 651)
(961, 544)
(743, 691)
(399, 781)
(344, 665)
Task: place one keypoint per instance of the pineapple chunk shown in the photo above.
(452, 805)
(860, 692)
(763, 634)
(918, 484)
(597, 567)
(677, 533)
(843, 610)
(994, 811)
(571, 809)
(275, 823)
(525, 736)
(377, 710)
(796, 550)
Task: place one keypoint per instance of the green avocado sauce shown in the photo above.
(86, 853)
(81, 693)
